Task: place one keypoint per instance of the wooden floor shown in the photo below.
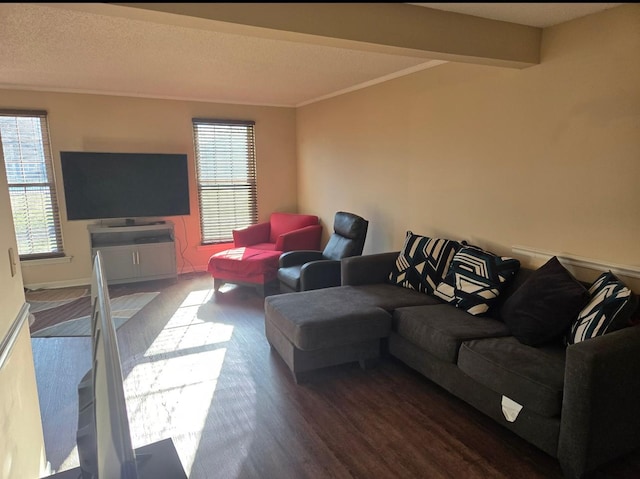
(200, 370)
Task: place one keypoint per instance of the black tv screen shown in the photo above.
(124, 185)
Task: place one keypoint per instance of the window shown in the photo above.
(226, 169)
(27, 159)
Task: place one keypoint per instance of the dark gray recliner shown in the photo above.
(305, 270)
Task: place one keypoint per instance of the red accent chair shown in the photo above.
(257, 248)
(283, 232)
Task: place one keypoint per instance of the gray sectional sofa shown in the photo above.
(576, 403)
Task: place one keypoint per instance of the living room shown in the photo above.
(540, 159)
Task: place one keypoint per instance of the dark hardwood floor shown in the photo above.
(200, 370)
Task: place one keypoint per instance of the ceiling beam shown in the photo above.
(396, 28)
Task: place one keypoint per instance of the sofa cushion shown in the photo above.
(610, 308)
(331, 322)
(388, 296)
(532, 377)
(441, 329)
(379, 295)
(544, 307)
(423, 262)
(239, 263)
(339, 315)
(290, 276)
(475, 279)
(265, 246)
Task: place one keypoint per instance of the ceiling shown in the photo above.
(540, 15)
(115, 50)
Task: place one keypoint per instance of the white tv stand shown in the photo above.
(135, 253)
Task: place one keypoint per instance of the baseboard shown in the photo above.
(193, 269)
(59, 284)
(87, 281)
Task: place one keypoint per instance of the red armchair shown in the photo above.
(283, 232)
(257, 248)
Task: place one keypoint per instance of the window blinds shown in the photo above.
(28, 164)
(226, 170)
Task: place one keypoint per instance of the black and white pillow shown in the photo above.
(475, 279)
(423, 262)
(611, 305)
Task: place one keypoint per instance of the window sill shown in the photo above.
(46, 261)
(214, 247)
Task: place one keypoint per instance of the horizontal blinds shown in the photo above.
(226, 169)
(29, 169)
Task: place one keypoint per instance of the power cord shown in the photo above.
(183, 250)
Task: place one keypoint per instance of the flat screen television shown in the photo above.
(104, 440)
(103, 435)
(124, 185)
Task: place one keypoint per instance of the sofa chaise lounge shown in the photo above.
(577, 403)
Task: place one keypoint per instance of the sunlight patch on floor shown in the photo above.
(189, 336)
(170, 391)
(197, 298)
(186, 330)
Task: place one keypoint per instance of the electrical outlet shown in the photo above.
(12, 262)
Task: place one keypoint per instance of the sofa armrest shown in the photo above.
(320, 274)
(294, 258)
(253, 234)
(368, 269)
(600, 419)
(307, 238)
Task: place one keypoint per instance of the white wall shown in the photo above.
(79, 122)
(546, 157)
(22, 453)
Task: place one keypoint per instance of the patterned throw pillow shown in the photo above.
(475, 279)
(423, 262)
(611, 305)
